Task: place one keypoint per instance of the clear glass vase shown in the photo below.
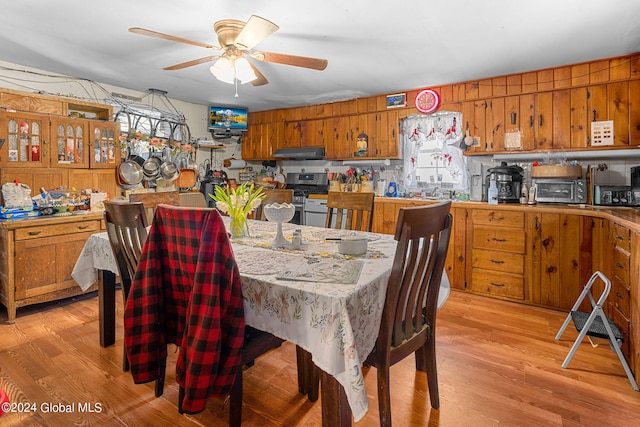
(239, 227)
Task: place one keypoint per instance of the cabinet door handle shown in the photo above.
(499, 285)
(497, 261)
(83, 227)
(530, 121)
(34, 233)
(619, 237)
(619, 265)
(513, 117)
(495, 239)
(595, 114)
(541, 120)
(619, 295)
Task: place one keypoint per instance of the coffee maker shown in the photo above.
(508, 180)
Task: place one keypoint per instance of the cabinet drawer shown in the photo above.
(623, 325)
(56, 230)
(498, 261)
(498, 218)
(621, 295)
(620, 236)
(504, 284)
(620, 265)
(498, 238)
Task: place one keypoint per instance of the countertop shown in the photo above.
(11, 223)
(627, 216)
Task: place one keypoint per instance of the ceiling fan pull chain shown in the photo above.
(236, 82)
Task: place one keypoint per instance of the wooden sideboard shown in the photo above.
(541, 255)
(51, 142)
(37, 257)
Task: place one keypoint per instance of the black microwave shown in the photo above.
(559, 190)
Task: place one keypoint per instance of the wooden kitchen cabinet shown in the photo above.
(37, 257)
(495, 122)
(497, 247)
(455, 264)
(620, 297)
(294, 132)
(634, 302)
(560, 260)
(261, 140)
(338, 138)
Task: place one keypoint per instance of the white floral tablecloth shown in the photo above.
(336, 322)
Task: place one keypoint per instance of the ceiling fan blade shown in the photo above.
(255, 30)
(192, 63)
(296, 61)
(151, 33)
(261, 80)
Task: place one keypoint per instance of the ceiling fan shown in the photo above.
(236, 39)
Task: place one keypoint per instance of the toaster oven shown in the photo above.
(560, 190)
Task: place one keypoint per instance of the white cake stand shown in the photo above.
(279, 213)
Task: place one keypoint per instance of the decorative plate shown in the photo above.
(427, 101)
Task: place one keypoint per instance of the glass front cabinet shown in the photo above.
(38, 140)
(24, 139)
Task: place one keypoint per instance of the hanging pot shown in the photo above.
(130, 172)
(138, 159)
(169, 171)
(151, 168)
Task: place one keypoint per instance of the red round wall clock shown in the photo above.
(427, 101)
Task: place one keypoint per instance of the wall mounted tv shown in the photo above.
(223, 118)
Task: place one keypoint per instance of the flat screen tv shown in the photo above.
(223, 118)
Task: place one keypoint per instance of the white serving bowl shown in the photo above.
(353, 245)
(279, 212)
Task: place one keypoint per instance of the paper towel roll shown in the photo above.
(236, 164)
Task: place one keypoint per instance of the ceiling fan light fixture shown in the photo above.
(223, 70)
(228, 70)
(244, 72)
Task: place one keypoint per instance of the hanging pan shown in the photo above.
(130, 172)
(187, 178)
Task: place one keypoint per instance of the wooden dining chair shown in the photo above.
(350, 211)
(194, 199)
(201, 310)
(126, 225)
(273, 196)
(152, 200)
(357, 211)
(409, 315)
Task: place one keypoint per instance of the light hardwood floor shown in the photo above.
(498, 364)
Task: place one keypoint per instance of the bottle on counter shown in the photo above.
(524, 194)
(532, 195)
(492, 193)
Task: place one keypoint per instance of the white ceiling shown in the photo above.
(373, 46)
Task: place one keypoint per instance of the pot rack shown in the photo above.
(167, 124)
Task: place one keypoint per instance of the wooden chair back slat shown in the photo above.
(358, 208)
(273, 196)
(152, 200)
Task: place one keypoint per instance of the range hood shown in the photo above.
(300, 153)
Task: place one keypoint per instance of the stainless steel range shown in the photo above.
(304, 184)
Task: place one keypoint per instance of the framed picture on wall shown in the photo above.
(397, 100)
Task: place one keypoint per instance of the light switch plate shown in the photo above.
(602, 133)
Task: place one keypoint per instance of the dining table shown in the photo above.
(325, 302)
